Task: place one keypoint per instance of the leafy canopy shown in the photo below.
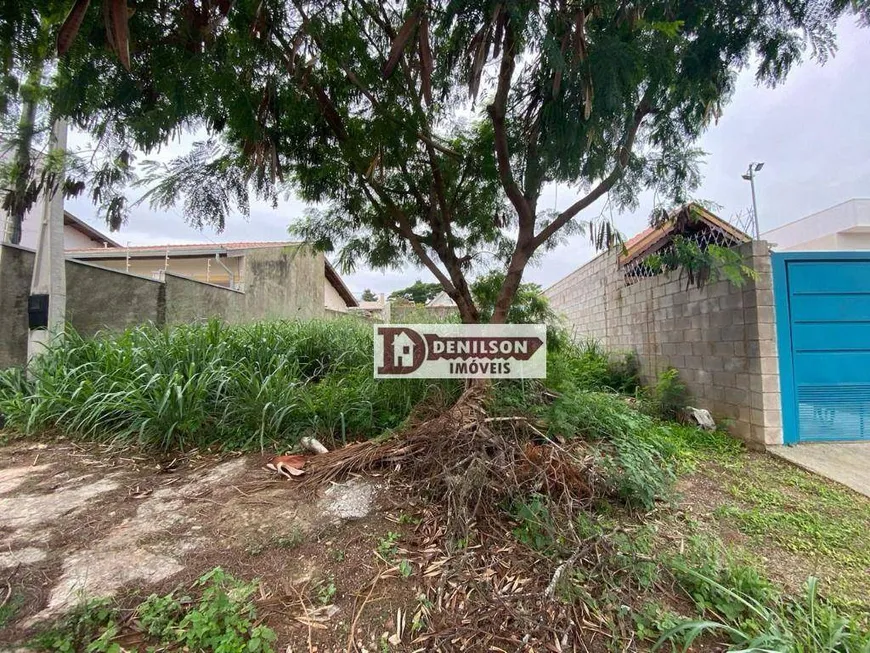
(424, 131)
(418, 292)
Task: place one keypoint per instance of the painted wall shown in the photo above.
(841, 227)
(721, 338)
(332, 299)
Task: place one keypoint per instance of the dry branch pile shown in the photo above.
(470, 463)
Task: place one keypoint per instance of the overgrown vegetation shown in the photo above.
(239, 387)
(222, 619)
(581, 479)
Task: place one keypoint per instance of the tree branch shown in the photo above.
(497, 112)
(642, 110)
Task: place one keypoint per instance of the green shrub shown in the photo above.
(633, 453)
(587, 366)
(240, 387)
(668, 397)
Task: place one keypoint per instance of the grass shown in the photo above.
(653, 573)
(240, 387)
(817, 524)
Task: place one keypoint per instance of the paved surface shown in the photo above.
(847, 463)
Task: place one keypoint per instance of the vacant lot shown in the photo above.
(571, 516)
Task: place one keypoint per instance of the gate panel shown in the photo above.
(823, 325)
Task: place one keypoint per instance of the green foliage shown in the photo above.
(758, 619)
(587, 366)
(536, 527)
(668, 397)
(10, 608)
(418, 292)
(818, 522)
(91, 627)
(406, 569)
(239, 387)
(222, 620)
(386, 547)
(633, 453)
(703, 265)
(325, 590)
(529, 305)
(412, 124)
(368, 295)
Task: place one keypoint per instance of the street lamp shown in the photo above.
(750, 177)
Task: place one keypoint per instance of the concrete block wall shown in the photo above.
(282, 283)
(721, 338)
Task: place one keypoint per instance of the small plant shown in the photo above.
(222, 620)
(421, 613)
(406, 568)
(338, 555)
(535, 526)
(10, 608)
(325, 590)
(91, 626)
(669, 397)
(791, 625)
(405, 518)
(292, 540)
(387, 548)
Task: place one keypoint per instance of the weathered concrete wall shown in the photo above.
(188, 300)
(721, 338)
(281, 283)
(96, 299)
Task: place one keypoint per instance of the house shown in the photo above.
(76, 232)
(441, 300)
(403, 351)
(230, 265)
(844, 227)
(112, 288)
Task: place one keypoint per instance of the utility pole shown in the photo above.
(46, 306)
(750, 177)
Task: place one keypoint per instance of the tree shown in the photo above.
(418, 292)
(369, 296)
(428, 129)
(27, 115)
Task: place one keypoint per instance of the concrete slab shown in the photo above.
(847, 463)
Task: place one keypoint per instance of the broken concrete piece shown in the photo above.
(702, 417)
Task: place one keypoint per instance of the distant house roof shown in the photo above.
(206, 249)
(337, 283)
(183, 249)
(441, 299)
(70, 220)
(689, 220)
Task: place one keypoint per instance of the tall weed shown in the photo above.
(240, 387)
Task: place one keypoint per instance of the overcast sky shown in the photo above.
(812, 133)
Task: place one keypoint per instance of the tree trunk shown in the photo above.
(23, 160)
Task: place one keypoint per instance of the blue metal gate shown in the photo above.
(823, 327)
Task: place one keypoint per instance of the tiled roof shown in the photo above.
(189, 246)
(651, 239)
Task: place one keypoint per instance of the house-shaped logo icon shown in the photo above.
(403, 351)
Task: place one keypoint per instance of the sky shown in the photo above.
(811, 132)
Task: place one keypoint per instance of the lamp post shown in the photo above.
(750, 177)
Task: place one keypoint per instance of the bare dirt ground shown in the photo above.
(81, 522)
